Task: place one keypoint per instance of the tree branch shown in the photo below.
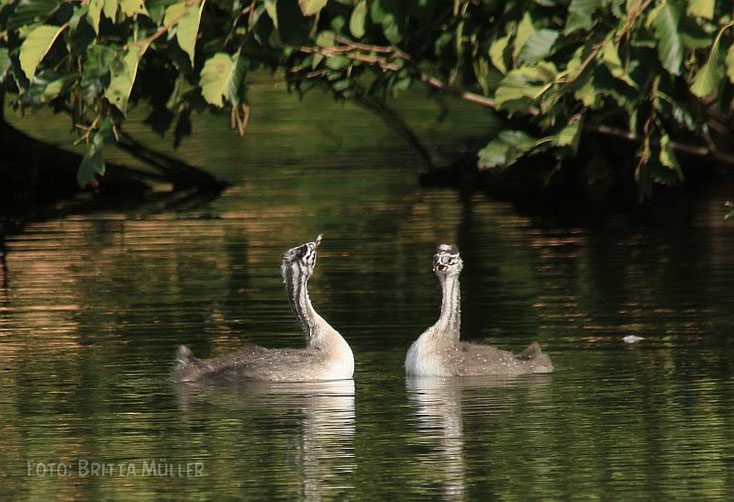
(699, 151)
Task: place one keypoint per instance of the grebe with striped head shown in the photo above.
(439, 352)
(327, 356)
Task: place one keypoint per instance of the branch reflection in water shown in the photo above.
(321, 445)
(438, 403)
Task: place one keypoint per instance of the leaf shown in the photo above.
(612, 61)
(701, 8)
(157, 9)
(570, 135)
(123, 77)
(709, 76)
(94, 14)
(506, 148)
(29, 11)
(93, 163)
(392, 16)
(730, 63)
(338, 62)
(524, 30)
(110, 9)
(326, 38)
(693, 35)
(586, 93)
(579, 15)
(668, 159)
(538, 46)
(522, 86)
(131, 7)
(670, 45)
(272, 10)
(481, 71)
(311, 7)
(497, 53)
(53, 89)
(186, 18)
(5, 63)
(36, 46)
(77, 16)
(222, 76)
(357, 19)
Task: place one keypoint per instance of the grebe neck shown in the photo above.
(449, 323)
(296, 285)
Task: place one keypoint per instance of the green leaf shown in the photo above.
(52, 90)
(693, 35)
(28, 11)
(701, 8)
(356, 20)
(506, 148)
(730, 63)
(612, 61)
(709, 76)
(272, 9)
(497, 53)
(668, 159)
(392, 16)
(670, 45)
(586, 93)
(337, 62)
(579, 15)
(570, 135)
(186, 18)
(94, 14)
(36, 46)
(311, 7)
(481, 71)
(326, 38)
(537, 46)
(523, 85)
(110, 9)
(123, 77)
(77, 16)
(157, 9)
(93, 164)
(222, 76)
(524, 30)
(131, 7)
(5, 63)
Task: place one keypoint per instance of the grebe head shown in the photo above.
(302, 257)
(447, 260)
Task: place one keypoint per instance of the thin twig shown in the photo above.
(700, 151)
(88, 131)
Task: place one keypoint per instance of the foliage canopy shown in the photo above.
(659, 73)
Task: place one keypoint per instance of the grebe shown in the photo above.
(327, 356)
(438, 351)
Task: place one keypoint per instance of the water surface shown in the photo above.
(92, 307)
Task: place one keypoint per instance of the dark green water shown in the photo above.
(92, 308)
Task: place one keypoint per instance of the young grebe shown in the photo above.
(327, 355)
(438, 351)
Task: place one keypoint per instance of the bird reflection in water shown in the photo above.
(323, 437)
(439, 420)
